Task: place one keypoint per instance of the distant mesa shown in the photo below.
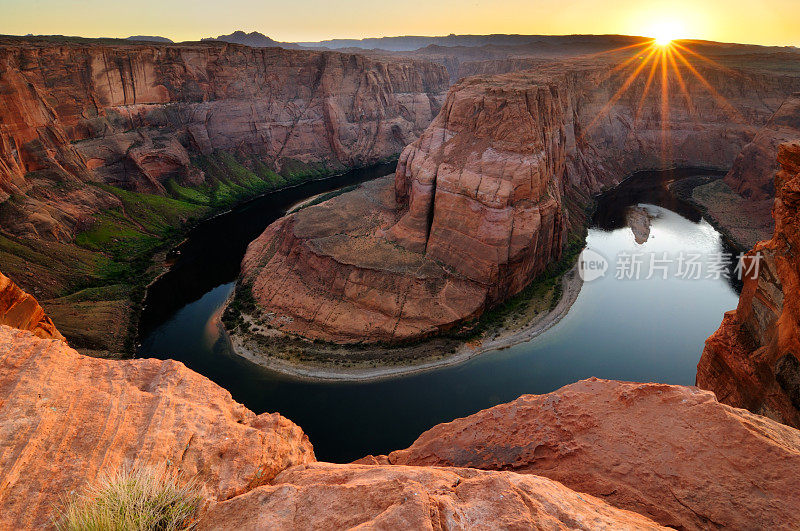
(409, 43)
(253, 39)
(150, 38)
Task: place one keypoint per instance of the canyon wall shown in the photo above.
(484, 200)
(741, 204)
(752, 174)
(753, 360)
(108, 150)
(473, 214)
(134, 115)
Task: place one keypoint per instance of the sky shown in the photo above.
(773, 22)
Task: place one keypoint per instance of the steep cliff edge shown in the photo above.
(484, 200)
(742, 203)
(378, 265)
(20, 310)
(134, 115)
(671, 453)
(754, 167)
(753, 359)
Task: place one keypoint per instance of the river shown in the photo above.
(618, 328)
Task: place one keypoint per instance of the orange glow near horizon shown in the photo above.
(768, 22)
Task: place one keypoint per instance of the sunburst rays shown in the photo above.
(666, 62)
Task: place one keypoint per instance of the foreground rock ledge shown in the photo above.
(328, 496)
(668, 452)
(66, 418)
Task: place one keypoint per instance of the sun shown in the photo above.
(665, 31)
(662, 40)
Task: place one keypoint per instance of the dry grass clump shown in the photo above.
(135, 499)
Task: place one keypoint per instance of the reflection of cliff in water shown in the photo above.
(638, 219)
(614, 207)
(645, 187)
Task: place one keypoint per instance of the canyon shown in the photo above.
(490, 194)
(108, 151)
(742, 202)
(67, 418)
(492, 185)
(752, 360)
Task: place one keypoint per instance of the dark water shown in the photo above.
(642, 330)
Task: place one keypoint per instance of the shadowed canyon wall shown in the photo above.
(106, 151)
(753, 360)
(20, 310)
(134, 115)
(484, 200)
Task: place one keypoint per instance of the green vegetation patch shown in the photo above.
(105, 270)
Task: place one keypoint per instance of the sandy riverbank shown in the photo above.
(571, 285)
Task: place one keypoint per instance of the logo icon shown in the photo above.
(592, 265)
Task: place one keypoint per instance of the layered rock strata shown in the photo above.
(90, 132)
(483, 201)
(671, 453)
(742, 203)
(134, 115)
(752, 174)
(20, 310)
(753, 360)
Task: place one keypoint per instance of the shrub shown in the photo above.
(135, 499)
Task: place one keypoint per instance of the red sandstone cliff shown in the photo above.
(671, 453)
(742, 203)
(482, 189)
(133, 115)
(20, 310)
(484, 199)
(753, 360)
(754, 167)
